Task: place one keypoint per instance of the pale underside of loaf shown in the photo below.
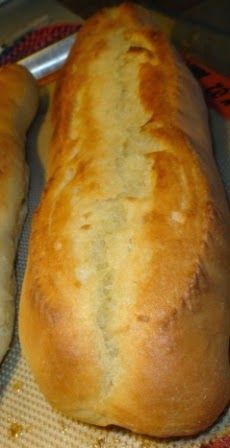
(128, 290)
(18, 103)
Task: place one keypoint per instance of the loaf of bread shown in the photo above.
(124, 315)
(18, 104)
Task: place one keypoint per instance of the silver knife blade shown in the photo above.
(49, 59)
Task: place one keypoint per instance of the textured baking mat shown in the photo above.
(26, 419)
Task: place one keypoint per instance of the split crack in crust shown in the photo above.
(103, 233)
(106, 231)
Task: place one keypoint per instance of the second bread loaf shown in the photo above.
(18, 105)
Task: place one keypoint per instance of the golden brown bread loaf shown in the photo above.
(124, 315)
(18, 104)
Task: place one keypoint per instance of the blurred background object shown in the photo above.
(28, 26)
(15, 15)
(198, 28)
(201, 28)
(215, 13)
(88, 7)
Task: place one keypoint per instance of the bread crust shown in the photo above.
(18, 104)
(129, 292)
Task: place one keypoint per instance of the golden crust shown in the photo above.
(18, 104)
(129, 291)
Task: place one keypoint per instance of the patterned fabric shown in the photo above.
(36, 40)
(222, 442)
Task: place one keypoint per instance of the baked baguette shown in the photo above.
(124, 315)
(18, 104)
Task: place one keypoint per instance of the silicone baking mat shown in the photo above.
(26, 419)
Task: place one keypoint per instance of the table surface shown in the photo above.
(17, 14)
